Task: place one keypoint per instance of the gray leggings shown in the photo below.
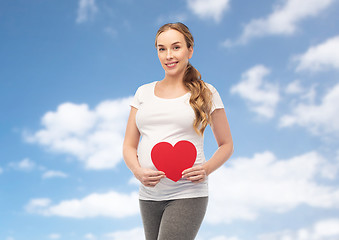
(178, 219)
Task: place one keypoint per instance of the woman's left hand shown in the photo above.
(195, 174)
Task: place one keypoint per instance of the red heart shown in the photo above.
(173, 160)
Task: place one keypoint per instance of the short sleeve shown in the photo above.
(136, 101)
(216, 99)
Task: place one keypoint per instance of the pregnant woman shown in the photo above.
(170, 116)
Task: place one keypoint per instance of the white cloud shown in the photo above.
(54, 236)
(321, 57)
(224, 238)
(134, 181)
(86, 10)
(294, 87)
(300, 94)
(111, 204)
(261, 95)
(38, 205)
(24, 165)
(90, 236)
(54, 174)
(327, 229)
(135, 234)
(92, 136)
(283, 20)
(209, 8)
(248, 187)
(318, 119)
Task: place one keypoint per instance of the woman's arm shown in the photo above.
(147, 177)
(222, 134)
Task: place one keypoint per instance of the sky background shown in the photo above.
(70, 68)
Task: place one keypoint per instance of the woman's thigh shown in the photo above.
(182, 218)
(151, 213)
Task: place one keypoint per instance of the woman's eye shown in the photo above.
(161, 49)
(176, 47)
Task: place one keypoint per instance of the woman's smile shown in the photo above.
(171, 64)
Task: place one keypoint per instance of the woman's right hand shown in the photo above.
(149, 177)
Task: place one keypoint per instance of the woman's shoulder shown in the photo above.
(145, 90)
(147, 86)
(211, 87)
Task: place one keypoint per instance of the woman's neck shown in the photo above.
(170, 87)
(174, 80)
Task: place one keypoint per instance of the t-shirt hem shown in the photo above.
(135, 106)
(182, 196)
(220, 107)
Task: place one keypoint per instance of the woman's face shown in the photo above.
(173, 52)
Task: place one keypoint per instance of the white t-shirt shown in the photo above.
(168, 120)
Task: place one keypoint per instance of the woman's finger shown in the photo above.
(150, 178)
(194, 173)
(196, 177)
(192, 169)
(155, 178)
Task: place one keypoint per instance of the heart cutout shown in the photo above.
(173, 160)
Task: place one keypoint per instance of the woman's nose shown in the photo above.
(169, 54)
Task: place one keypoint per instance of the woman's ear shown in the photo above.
(190, 50)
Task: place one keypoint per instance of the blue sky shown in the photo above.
(70, 68)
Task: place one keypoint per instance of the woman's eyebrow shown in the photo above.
(161, 45)
(176, 42)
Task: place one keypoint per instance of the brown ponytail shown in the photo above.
(200, 100)
(201, 96)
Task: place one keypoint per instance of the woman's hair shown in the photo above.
(201, 96)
